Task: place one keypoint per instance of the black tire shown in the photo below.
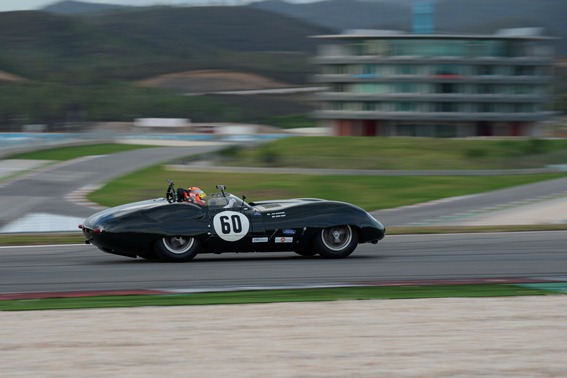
(177, 248)
(336, 242)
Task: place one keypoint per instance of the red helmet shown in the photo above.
(196, 195)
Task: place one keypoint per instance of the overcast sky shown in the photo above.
(12, 5)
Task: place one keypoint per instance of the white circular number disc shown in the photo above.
(231, 226)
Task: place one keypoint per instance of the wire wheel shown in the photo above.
(336, 242)
(178, 244)
(336, 238)
(177, 248)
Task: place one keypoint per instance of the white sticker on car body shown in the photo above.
(231, 226)
(279, 214)
(283, 239)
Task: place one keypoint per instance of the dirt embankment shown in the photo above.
(211, 81)
(5, 76)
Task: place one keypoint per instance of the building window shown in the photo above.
(445, 107)
(406, 69)
(445, 131)
(474, 48)
(357, 48)
(406, 87)
(486, 107)
(447, 70)
(341, 69)
(524, 71)
(406, 130)
(369, 69)
(371, 106)
(486, 88)
(446, 88)
(525, 108)
(353, 106)
(486, 70)
(406, 106)
(543, 71)
(370, 47)
(495, 48)
(504, 108)
(338, 87)
(382, 88)
(427, 107)
(337, 105)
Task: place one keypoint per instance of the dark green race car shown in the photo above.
(170, 230)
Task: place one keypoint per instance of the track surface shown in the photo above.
(455, 210)
(45, 191)
(397, 258)
(538, 255)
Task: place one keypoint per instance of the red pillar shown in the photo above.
(516, 129)
(370, 127)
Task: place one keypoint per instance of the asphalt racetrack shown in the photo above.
(449, 257)
(396, 258)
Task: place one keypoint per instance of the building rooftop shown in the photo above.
(515, 33)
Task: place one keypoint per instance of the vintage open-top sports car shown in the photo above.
(171, 229)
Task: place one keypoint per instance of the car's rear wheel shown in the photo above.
(177, 248)
(336, 242)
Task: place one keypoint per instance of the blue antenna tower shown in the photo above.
(423, 17)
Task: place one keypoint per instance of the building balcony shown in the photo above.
(433, 78)
(468, 60)
(432, 116)
(434, 97)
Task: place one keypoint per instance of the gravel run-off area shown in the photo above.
(450, 337)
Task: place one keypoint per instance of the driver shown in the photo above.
(195, 195)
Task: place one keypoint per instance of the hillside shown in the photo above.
(80, 69)
(478, 16)
(343, 14)
(77, 7)
(143, 42)
(75, 63)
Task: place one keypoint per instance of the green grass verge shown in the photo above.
(368, 192)
(401, 153)
(73, 152)
(42, 239)
(274, 296)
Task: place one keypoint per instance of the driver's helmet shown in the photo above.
(196, 195)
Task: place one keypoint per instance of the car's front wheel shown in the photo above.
(177, 248)
(336, 242)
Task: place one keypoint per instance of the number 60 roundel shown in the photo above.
(230, 225)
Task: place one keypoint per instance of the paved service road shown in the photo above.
(460, 211)
(396, 258)
(45, 190)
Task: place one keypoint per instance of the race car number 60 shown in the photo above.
(231, 226)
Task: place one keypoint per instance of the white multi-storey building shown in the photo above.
(386, 83)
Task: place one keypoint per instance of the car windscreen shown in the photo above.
(226, 202)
